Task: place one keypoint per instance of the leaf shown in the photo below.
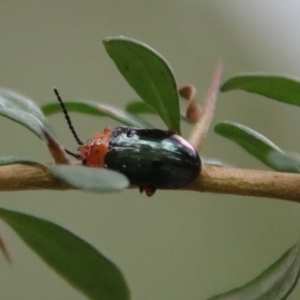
(275, 283)
(13, 100)
(124, 117)
(90, 179)
(25, 112)
(85, 107)
(284, 163)
(101, 110)
(27, 120)
(139, 107)
(278, 87)
(35, 125)
(149, 75)
(259, 146)
(74, 259)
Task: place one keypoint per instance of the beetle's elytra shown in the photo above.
(150, 158)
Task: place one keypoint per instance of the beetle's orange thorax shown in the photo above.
(92, 153)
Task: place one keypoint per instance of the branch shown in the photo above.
(284, 186)
(24, 177)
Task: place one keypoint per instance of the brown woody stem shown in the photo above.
(23, 177)
(285, 186)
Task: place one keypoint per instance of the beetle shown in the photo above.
(150, 158)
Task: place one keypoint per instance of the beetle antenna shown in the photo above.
(77, 156)
(67, 117)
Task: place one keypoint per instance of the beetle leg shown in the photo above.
(150, 191)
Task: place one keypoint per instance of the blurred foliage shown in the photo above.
(150, 76)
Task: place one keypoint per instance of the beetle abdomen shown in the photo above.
(152, 157)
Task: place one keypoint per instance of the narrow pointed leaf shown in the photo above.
(13, 100)
(27, 120)
(84, 107)
(124, 117)
(283, 162)
(37, 127)
(90, 179)
(149, 75)
(275, 283)
(259, 146)
(71, 257)
(101, 110)
(139, 107)
(278, 87)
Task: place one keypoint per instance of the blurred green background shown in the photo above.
(175, 245)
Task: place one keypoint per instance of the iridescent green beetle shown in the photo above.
(150, 158)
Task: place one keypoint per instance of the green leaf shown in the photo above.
(259, 146)
(10, 160)
(101, 110)
(90, 179)
(124, 117)
(34, 125)
(278, 87)
(13, 100)
(284, 163)
(149, 75)
(139, 107)
(85, 107)
(275, 283)
(74, 259)
(27, 120)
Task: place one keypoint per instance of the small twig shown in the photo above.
(213, 179)
(58, 153)
(24, 177)
(201, 128)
